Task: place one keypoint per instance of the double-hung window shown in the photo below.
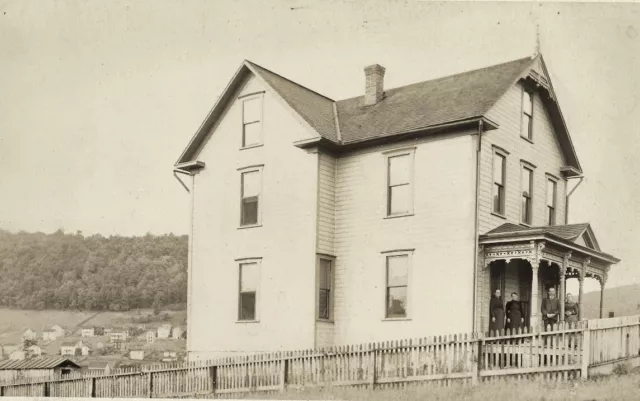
(397, 277)
(252, 121)
(552, 189)
(249, 279)
(499, 181)
(325, 288)
(251, 189)
(527, 194)
(400, 182)
(527, 114)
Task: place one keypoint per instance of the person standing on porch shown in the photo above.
(496, 312)
(550, 308)
(571, 309)
(515, 319)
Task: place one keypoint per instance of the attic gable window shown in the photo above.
(252, 121)
(527, 115)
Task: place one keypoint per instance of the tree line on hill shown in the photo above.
(71, 271)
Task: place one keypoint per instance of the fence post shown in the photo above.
(1, 391)
(45, 389)
(374, 373)
(93, 387)
(586, 349)
(475, 361)
(150, 385)
(283, 374)
(213, 371)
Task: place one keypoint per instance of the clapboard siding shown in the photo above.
(441, 231)
(544, 153)
(326, 203)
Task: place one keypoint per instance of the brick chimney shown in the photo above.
(374, 80)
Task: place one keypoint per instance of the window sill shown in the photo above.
(249, 226)
(251, 146)
(319, 320)
(247, 321)
(395, 216)
(499, 215)
(396, 319)
(526, 139)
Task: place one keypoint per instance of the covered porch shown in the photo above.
(530, 260)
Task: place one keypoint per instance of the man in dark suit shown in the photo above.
(550, 308)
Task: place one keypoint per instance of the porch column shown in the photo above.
(563, 283)
(533, 306)
(603, 281)
(583, 273)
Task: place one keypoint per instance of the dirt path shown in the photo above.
(86, 320)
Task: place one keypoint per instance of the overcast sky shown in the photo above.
(99, 98)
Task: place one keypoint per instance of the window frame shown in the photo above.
(526, 131)
(243, 99)
(503, 203)
(554, 180)
(251, 169)
(388, 155)
(408, 308)
(332, 260)
(525, 165)
(239, 263)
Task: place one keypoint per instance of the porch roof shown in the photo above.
(563, 235)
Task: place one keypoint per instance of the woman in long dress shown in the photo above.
(496, 313)
(515, 317)
(570, 310)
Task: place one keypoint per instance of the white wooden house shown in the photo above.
(88, 332)
(136, 354)
(392, 214)
(49, 335)
(68, 348)
(164, 331)
(177, 332)
(29, 334)
(150, 336)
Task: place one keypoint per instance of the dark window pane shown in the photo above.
(498, 196)
(325, 274)
(397, 302)
(552, 216)
(248, 306)
(529, 127)
(323, 304)
(250, 211)
(526, 210)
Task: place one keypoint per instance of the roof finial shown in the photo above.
(537, 52)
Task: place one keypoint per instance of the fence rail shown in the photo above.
(560, 353)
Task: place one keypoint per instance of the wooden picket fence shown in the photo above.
(559, 353)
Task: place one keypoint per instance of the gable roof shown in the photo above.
(458, 99)
(37, 363)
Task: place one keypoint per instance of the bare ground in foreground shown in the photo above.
(615, 387)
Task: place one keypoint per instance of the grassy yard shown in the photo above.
(610, 388)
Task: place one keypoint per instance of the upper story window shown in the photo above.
(252, 121)
(527, 114)
(527, 194)
(251, 185)
(249, 278)
(325, 288)
(400, 182)
(397, 284)
(499, 181)
(552, 188)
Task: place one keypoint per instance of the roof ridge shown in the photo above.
(446, 77)
(287, 79)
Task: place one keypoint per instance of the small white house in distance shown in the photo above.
(169, 356)
(68, 348)
(164, 331)
(49, 335)
(59, 330)
(88, 332)
(29, 334)
(137, 354)
(118, 336)
(150, 336)
(42, 367)
(177, 332)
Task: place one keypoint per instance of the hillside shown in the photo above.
(624, 300)
(70, 271)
